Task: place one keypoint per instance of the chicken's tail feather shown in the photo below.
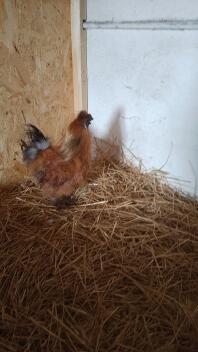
(36, 141)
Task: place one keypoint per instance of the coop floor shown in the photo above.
(117, 271)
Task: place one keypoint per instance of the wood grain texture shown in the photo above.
(36, 83)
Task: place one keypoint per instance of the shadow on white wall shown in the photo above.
(111, 144)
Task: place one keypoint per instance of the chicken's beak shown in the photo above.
(89, 119)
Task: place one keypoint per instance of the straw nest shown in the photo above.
(118, 271)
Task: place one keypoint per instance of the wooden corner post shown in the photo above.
(79, 54)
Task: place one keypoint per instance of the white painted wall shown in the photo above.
(103, 10)
(152, 78)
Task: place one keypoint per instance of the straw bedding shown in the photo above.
(118, 271)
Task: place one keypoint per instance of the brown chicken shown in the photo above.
(59, 170)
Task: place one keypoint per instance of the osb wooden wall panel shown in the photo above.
(35, 74)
